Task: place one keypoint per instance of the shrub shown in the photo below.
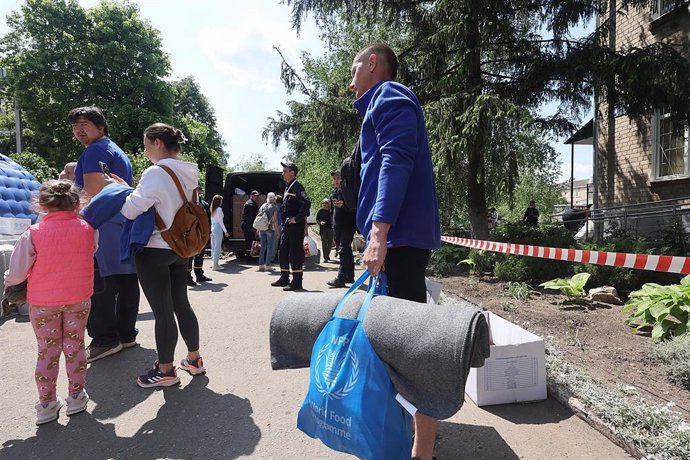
(674, 354)
(512, 268)
(534, 268)
(623, 279)
(446, 258)
(542, 235)
(484, 261)
(36, 165)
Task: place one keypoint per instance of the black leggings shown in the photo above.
(163, 277)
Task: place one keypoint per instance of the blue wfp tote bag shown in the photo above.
(350, 405)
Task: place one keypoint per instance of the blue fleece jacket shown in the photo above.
(397, 175)
(134, 234)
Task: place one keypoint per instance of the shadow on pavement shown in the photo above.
(194, 422)
(209, 286)
(471, 441)
(536, 413)
(111, 381)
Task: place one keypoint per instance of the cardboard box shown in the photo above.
(238, 202)
(516, 369)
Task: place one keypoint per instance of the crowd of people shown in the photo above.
(396, 211)
(96, 289)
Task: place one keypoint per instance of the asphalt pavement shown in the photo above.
(240, 408)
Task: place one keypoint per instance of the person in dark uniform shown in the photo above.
(344, 225)
(531, 216)
(197, 262)
(249, 213)
(296, 206)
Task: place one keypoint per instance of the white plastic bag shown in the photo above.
(310, 248)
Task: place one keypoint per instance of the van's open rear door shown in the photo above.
(214, 182)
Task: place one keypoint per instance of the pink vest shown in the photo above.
(63, 271)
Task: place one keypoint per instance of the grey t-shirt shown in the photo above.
(269, 209)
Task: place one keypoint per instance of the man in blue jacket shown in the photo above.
(397, 207)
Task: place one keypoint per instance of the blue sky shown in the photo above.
(228, 47)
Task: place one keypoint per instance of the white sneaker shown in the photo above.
(262, 268)
(49, 413)
(78, 404)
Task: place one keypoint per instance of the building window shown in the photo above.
(663, 7)
(671, 152)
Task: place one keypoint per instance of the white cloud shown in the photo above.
(245, 51)
(581, 170)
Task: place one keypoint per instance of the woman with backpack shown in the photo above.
(163, 273)
(267, 237)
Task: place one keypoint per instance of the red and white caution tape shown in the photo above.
(669, 264)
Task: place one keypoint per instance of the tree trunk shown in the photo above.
(476, 185)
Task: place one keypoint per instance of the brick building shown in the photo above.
(645, 161)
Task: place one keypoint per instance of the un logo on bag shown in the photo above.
(328, 364)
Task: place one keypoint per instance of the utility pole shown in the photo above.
(18, 126)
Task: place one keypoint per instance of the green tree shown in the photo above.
(197, 119)
(253, 162)
(481, 65)
(60, 56)
(36, 165)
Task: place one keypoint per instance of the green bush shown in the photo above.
(623, 279)
(674, 354)
(484, 261)
(36, 165)
(513, 268)
(533, 268)
(541, 235)
(446, 258)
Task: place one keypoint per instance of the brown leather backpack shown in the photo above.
(190, 230)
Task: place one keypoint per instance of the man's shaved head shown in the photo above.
(386, 57)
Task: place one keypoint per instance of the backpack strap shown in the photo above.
(177, 182)
(195, 195)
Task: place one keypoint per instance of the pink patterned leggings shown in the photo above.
(60, 330)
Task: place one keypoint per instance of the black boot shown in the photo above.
(336, 282)
(190, 281)
(294, 286)
(281, 282)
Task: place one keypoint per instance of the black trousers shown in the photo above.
(405, 269)
(114, 310)
(249, 237)
(291, 252)
(163, 276)
(346, 269)
(197, 264)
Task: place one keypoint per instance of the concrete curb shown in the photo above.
(582, 411)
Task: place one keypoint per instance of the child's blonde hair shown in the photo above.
(58, 195)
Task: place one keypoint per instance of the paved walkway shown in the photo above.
(241, 408)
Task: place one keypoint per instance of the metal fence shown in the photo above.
(654, 221)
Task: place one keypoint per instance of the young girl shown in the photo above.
(56, 256)
(217, 229)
